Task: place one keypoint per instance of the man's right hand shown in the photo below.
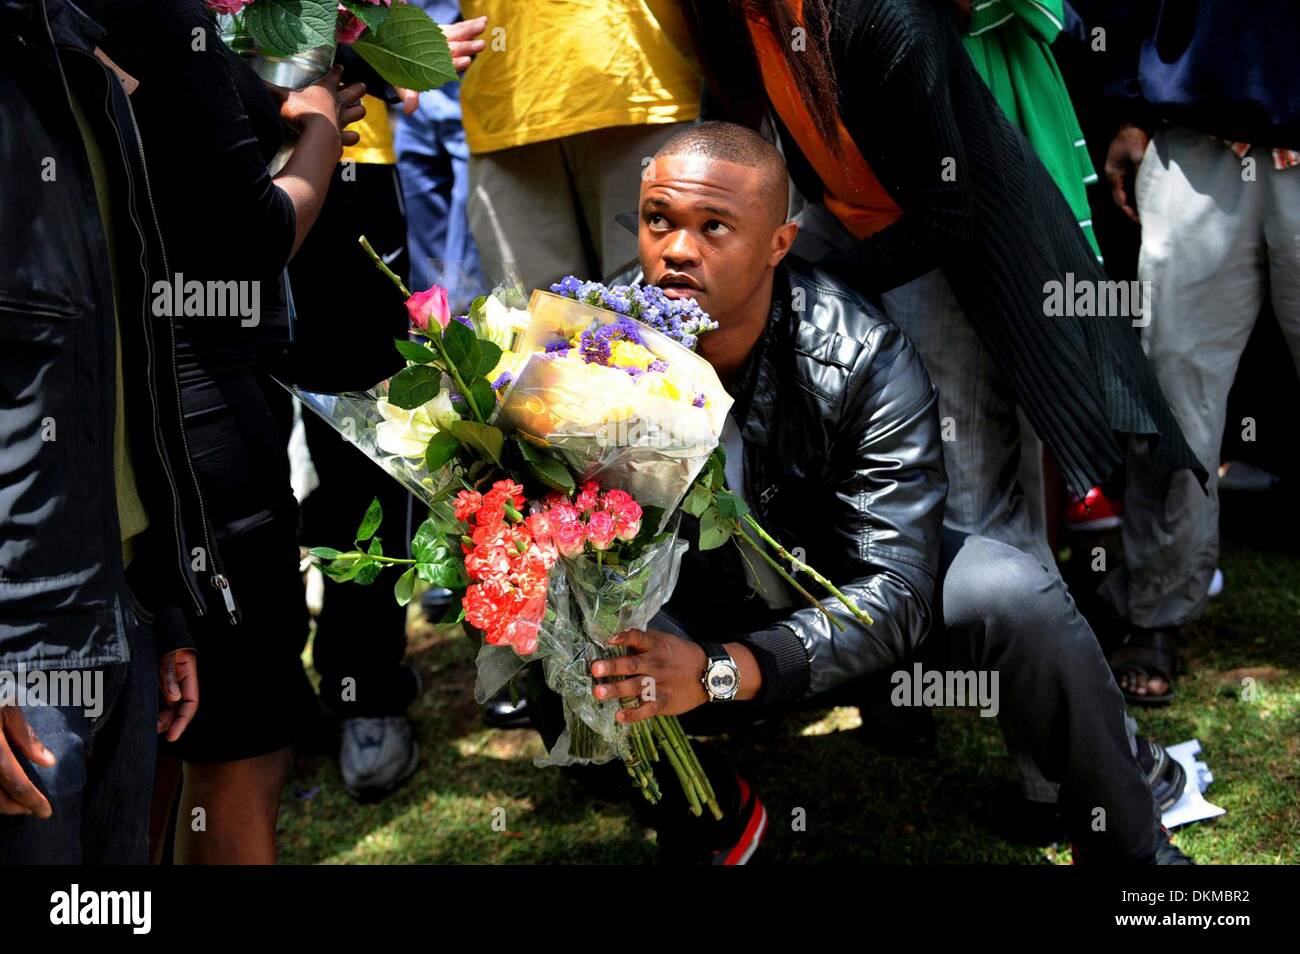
(1122, 161)
(18, 794)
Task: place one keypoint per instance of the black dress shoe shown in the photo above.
(501, 713)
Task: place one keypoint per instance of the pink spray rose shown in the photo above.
(600, 529)
(429, 304)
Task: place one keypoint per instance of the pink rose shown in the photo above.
(569, 537)
(226, 6)
(349, 27)
(429, 304)
(586, 499)
(600, 529)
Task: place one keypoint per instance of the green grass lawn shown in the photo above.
(1241, 698)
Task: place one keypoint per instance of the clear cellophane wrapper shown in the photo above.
(587, 603)
(603, 423)
(358, 417)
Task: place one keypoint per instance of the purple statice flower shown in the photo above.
(559, 348)
(567, 286)
(634, 372)
(626, 330)
(595, 346)
(503, 380)
(658, 364)
(683, 320)
(699, 400)
(464, 320)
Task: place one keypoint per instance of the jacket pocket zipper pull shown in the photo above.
(765, 497)
(223, 584)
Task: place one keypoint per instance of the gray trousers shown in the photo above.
(999, 611)
(991, 453)
(1218, 234)
(993, 457)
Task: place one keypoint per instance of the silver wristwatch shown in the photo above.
(721, 677)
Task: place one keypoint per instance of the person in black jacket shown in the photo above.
(210, 127)
(101, 523)
(834, 443)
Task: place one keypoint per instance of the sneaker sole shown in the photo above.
(380, 792)
(752, 837)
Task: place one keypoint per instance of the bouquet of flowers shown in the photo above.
(555, 447)
(293, 41)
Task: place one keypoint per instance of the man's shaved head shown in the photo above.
(729, 142)
(713, 228)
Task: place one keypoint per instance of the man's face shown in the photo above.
(706, 232)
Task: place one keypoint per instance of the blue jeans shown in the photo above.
(433, 164)
(102, 784)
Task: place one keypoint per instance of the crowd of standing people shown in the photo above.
(912, 172)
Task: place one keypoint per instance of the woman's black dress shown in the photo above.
(209, 128)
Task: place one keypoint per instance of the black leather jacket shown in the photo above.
(843, 459)
(63, 592)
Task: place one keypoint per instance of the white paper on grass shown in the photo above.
(1191, 806)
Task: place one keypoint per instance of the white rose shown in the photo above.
(501, 324)
(406, 433)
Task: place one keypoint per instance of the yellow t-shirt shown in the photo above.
(376, 132)
(555, 68)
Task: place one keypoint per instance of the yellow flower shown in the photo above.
(510, 361)
(628, 354)
(660, 385)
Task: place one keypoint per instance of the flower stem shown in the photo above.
(372, 556)
(788, 578)
(861, 615)
(379, 264)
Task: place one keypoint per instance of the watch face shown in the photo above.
(721, 680)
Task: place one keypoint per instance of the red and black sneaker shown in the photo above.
(1094, 512)
(752, 822)
(686, 839)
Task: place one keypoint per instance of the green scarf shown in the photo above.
(1009, 43)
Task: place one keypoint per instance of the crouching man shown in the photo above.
(834, 443)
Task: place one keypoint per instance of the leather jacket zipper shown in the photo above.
(219, 580)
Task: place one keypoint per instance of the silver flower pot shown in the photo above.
(291, 72)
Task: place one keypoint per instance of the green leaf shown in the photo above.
(376, 547)
(369, 14)
(404, 587)
(455, 611)
(414, 351)
(428, 536)
(369, 572)
(443, 446)
(717, 468)
(699, 499)
(286, 27)
(371, 521)
(483, 438)
(546, 469)
(414, 386)
(489, 354)
(476, 309)
(325, 553)
(485, 399)
(731, 507)
(407, 50)
(446, 573)
(340, 571)
(714, 529)
(462, 348)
